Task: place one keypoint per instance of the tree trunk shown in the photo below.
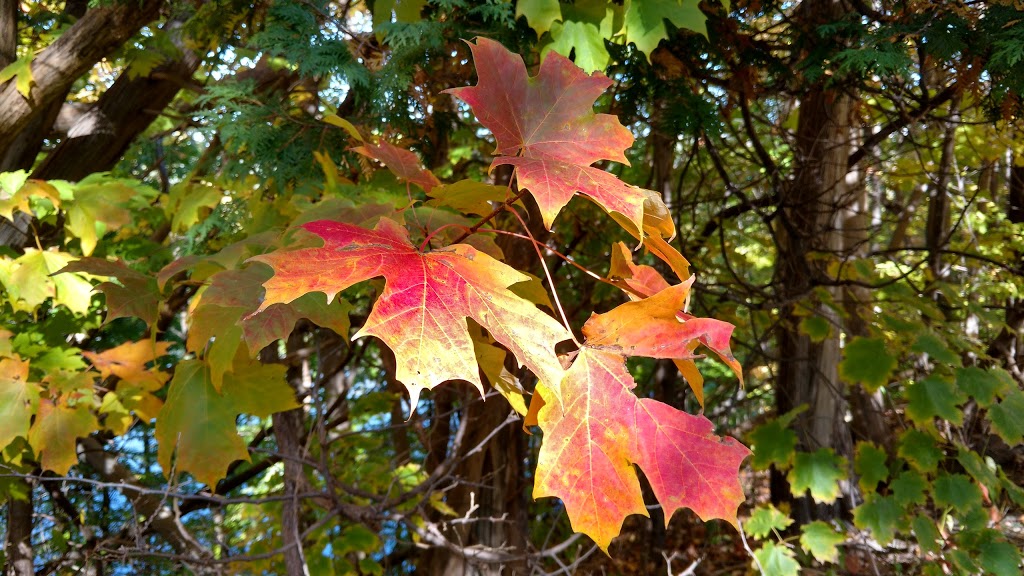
(807, 231)
(19, 533)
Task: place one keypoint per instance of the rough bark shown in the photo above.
(8, 32)
(98, 33)
(120, 115)
(807, 228)
(19, 534)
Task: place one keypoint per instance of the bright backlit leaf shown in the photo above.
(776, 560)
(766, 519)
(19, 400)
(545, 127)
(821, 540)
(421, 314)
(591, 442)
(645, 21)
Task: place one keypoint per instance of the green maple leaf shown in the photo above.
(821, 540)
(982, 385)
(816, 327)
(865, 360)
(979, 470)
(764, 520)
(920, 449)
(19, 400)
(55, 432)
(645, 21)
(820, 472)
(1006, 417)
(999, 557)
(776, 560)
(540, 14)
(189, 202)
(956, 491)
(908, 488)
(869, 464)
(934, 346)
(773, 442)
(584, 26)
(468, 196)
(881, 515)
(927, 534)
(197, 425)
(933, 397)
(21, 70)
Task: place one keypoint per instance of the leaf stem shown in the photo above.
(547, 273)
(472, 229)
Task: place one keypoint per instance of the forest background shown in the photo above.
(845, 177)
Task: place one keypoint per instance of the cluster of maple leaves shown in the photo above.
(595, 428)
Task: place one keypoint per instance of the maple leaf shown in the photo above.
(602, 429)
(401, 162)
(545, 127)
(128, 362)
(55, 431)
(421, 313)
(19, 400)
(136, 295)
(197, 424)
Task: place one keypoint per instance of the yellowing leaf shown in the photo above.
(197, 424)
(98, 206)
(128, 362)
(421, 314)
(21, 70)
(29, 281)
(19, 400)
(55, 432)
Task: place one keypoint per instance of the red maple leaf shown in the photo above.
(545, 126)
(602, 429)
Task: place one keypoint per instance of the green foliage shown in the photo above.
(766, 520)
(819, 472)
(777, 560)
(868, 362)
(821, 540)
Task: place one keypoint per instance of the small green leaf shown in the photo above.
(920, 449)
(776, 560)
(816, 327)
(928, 536)
(934, 346)
(881, 515)
(980, 384)
(21, 69)
(869, 464)
(820, 472)
(934, 397)
(999, 558)
(866, 361)
(773, 442)
(764, 520)
(909, 488)
(1006, 417)
(980, 470)
(956, 491)
(468, 196)
(821, 540)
